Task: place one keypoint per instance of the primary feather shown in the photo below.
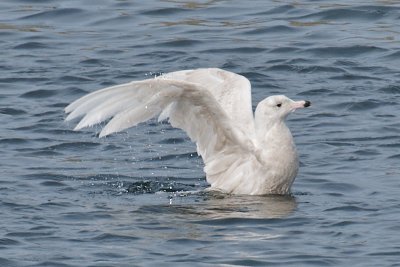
(242, 154)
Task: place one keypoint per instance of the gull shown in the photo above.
(243, 153)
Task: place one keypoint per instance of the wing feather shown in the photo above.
(87, 102)
(188, 106)
(141, 113)
(232, 91)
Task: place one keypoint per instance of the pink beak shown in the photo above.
(300, 104)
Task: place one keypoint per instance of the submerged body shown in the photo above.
(243, 153)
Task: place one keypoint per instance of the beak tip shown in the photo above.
(307, 103)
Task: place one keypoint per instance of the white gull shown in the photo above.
(243, 153)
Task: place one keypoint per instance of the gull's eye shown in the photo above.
(279, 105)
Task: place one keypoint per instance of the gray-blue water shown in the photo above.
(70, 199)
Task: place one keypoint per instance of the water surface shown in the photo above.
(136, 198)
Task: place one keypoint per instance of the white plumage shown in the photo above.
(242, 153)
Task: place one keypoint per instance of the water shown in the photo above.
(135, 198)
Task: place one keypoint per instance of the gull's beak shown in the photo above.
(300, 104)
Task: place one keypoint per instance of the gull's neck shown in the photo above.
(277, 152)
(273, 132)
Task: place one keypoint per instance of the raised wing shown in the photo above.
(189, 106)
(231, 90)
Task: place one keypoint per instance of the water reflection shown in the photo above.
(193, 4)
(220, 206)
(204, 204)
(250, 206)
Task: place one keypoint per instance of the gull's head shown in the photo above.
(279, 107)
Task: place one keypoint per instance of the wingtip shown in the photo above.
(69, 108)
(69, 117)
(77, 128)
(83, 124)
(73, 114)
(104, 133)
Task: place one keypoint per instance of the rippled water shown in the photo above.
(135, 198)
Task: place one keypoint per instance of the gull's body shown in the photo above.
(243, 153)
